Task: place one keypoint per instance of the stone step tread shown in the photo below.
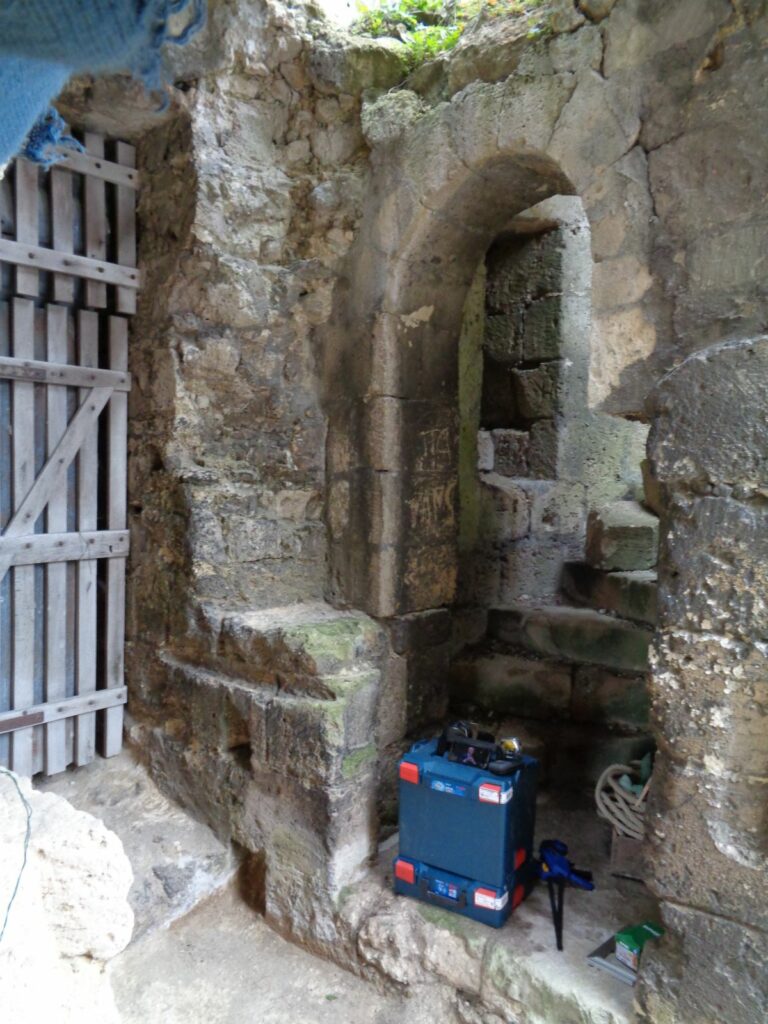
(493, 680)
(312, 640)
(621, 536)
(177, 862)
(627, 513)
(571, 634)
(630, 594)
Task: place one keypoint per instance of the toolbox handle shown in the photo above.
(434, 897)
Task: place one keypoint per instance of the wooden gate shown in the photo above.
(68, 280)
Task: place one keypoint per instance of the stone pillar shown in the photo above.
(708, 823)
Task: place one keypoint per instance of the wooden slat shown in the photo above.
(48, 259)
(117, 442)
(40, 372)
(56, 754)
(23, 578)
(27, 222)
(54, 472)
(126, 228)
(22, 722)
(87, 492)
(6, 511)
(94, 165)
(95, 217)
(43, 548)
(63, 225)
(56, 712)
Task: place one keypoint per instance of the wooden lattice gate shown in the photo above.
(67, 283)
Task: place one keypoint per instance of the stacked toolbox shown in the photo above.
(466, 834)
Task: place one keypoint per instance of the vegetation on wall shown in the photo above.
(430, 27)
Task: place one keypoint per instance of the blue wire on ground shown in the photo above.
(28, 810)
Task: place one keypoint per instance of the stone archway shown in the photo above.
(392, 438)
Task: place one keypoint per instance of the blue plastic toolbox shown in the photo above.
(478, 900)
(465, 820)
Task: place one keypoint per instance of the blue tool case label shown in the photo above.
(447, 890)
(453, 788)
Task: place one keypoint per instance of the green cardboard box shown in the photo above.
(630, 942)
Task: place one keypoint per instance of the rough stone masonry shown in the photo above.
(313, 217)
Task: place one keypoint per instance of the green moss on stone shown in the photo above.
(353, 762)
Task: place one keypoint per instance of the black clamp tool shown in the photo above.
(557, 871)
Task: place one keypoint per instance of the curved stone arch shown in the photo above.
(438, 199)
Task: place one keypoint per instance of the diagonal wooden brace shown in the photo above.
(54, 472)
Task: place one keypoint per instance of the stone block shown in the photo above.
(609, 699)
(479, 578)
(630, 594)
(428, 577)
(543, 450)
(578, 753)
(706, 968)
(706, 841)
(542, 338)
(427, 689)
(504, 509)
(391, 714)
(484, 451)
(310, 740)
(578, 50)
(596, 10)
(509, 684)
(652, 492)
(503, 337)
(714, 561)
(430, 431)
(531, 569)
(710, 702)
(510, 452)
(574, 634)
(430, 509)
(419, 630)
(559, 508)
(536, 391)
(469, 626)
(622, 536)
(699, 414)
(497, 403)
(521, 268)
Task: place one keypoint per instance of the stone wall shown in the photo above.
(309, 237)
(707, 835)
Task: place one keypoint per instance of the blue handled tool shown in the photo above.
(557, 871)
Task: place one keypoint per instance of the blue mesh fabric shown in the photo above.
(43, 42)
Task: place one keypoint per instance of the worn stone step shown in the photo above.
(573, 635)
(630, 593)
(623, 535)
(512, 684)
(293, 647)
(177, 862)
